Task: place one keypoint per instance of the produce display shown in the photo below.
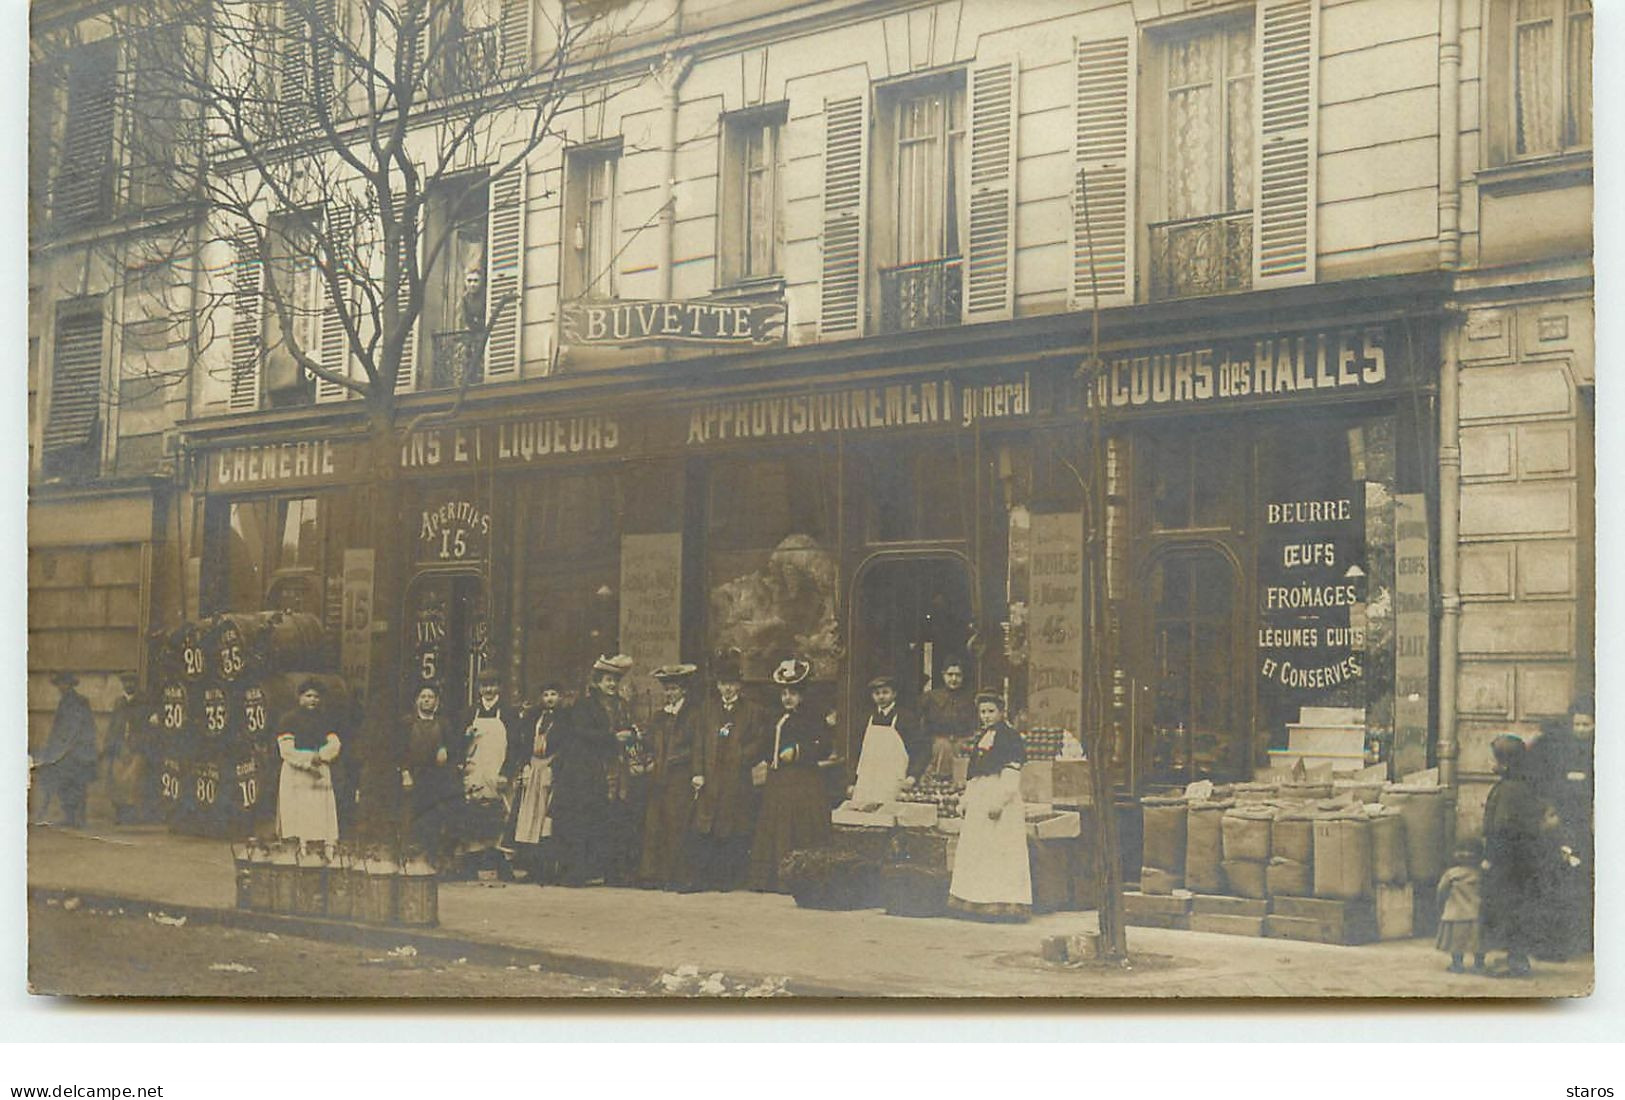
(941, 792)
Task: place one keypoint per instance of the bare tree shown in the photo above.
(333, 158)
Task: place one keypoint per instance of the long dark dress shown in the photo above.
(728, 741)
(1518, 855)
(68, 762)
(1562, 768)
(130, 742)
(671, 796)
(436, 794)
(584, 751)
(795, 811)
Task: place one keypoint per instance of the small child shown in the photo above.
(1460, 900)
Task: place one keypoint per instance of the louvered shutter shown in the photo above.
(76, 381)
(505, 268)
(845, 249)
(83, 190)
(247, 338)
(1284, 163)
(335, 346)
(293, 88)
(324, 62)
(407, 374)
(515, 31)
(1103, 226)
(989, 274)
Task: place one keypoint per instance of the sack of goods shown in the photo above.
(1305, 791)
(1427, 843)
(1247, 833)
(1289, 878)
(1293, 836)
(1246, 878)
(1343, 856)
(1255, 793)
(1163, 848)
(1204, 846)
(1389, 858)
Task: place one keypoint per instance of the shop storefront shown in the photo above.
(1269, 563)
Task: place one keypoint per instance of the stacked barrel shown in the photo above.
(223, 681)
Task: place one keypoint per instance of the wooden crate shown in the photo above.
(1227, 925)
(1222, 905)
(1320, 920)
(1136, 904)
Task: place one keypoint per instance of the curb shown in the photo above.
(434, 944)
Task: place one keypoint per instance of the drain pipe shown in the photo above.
(1449, 534)
(1449, 134)
(675, 72)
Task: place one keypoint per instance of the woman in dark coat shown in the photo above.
(68, 762)
(429, 778)
(1517, 855)
(795, 811)
(671, 793)
(730, 733)
(586, 746)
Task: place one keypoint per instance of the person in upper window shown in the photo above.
(795, 811)
(730, 732)
(671, 781)
(948, 713)
(308, 743)
(992, 878)
(893, 750)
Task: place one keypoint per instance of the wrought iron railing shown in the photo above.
(1206, 255)
(456, 356)
(467, 63)
(921, 295)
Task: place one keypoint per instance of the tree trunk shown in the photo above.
(382, 737)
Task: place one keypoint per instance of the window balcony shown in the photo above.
(1191, 257)
(456, 357)
(921, 295)
(467, 63)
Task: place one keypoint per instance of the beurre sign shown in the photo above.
(1285, 367)
(620, 323)
(1310, 583)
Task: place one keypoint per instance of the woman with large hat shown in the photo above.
(992, 878)
(672, 793)
(730, 734)
(795, 813)
(586, 745)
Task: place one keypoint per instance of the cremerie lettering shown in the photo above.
(274, 462)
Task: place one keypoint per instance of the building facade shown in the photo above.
(794, 360)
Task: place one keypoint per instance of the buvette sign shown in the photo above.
(588, 323)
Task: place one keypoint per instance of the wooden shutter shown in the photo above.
(1284, 161)
(335, 343)
(1103, 227)
(515, 31)
(247, 337)
(294, 83)
(845, 249)
(83, 191)
(406, 376)
(504, 275)
(76, 380)
(989, 261)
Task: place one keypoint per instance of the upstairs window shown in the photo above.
(295, 302)
(72, 438)
(751, 229)
(83, 191)
(922, 189)
(454, 298)
(1551, 71)
(465, 47)
(589, 219)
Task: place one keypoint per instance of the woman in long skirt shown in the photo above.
(533, 822)
(795, 813)
(672, 791)
(308, 745)
(992, 878)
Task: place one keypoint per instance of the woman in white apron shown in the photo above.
(532, 822)
(883, 759)
(308, 745)
(992, 879)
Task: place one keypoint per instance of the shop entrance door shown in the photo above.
(447, 645)
(1188, 702)
(909, 613)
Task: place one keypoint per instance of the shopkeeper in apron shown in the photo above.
(490, 761)
(992, 879)
(892, 754)
(532, 820)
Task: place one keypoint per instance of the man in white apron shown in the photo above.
(886, 762)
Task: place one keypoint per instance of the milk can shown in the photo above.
(382, 884)
(243, 853)
(310, 886)
(341, 897)
(284, 870)
(259, 881)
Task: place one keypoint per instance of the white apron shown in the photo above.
(305, 806)
(882, 765)
(533, 823)
(990, 864)
(487, 750)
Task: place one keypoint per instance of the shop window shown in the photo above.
(751, 228)
(295, 302)
(771, 575)
(299, 545)
(918, 492)
(72, 436)
(454, 298)
(1195, 734)
(247, 560)
(1202, 240)
(921, 189)
(1192, 479)
(589, 219)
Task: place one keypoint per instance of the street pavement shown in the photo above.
(640, 935)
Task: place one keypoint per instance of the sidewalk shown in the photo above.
(829, 953)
